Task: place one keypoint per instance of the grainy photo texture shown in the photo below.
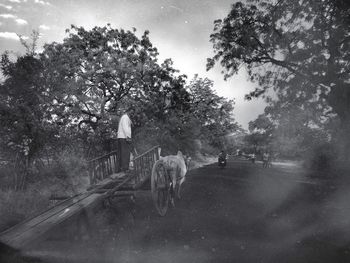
(174, 131)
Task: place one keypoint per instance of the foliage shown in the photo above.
(304, 42)
(91, 72)
(213, 114)
(260, 133)
(298, 48)
(194, 113)
(98, 73)
(25, 121)
(287, 130)
(18, 206)
(22, 111)
(322, 158)
(67, 99)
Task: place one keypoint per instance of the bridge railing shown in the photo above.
(102, 167)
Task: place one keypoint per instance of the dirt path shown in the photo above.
(243, 213)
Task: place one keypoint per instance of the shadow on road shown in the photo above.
(242, 213)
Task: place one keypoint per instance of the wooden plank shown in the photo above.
(32, 222)
(129, 178)
(116, 184)
(101, 184)
(24, 238)
(22, 233)
(116, 177)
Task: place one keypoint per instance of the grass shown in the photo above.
(16, 206)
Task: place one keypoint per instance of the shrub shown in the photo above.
(16, 206)
(321, 157)
(6, 176)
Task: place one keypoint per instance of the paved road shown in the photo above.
(243, 213)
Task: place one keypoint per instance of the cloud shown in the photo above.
(10, 35)
(7, 16)
(8, 7)
(17, 1)
(41, 2)
(21, 21)
(44, 27)
(177, 8)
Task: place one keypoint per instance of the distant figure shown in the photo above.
(222, 154)
(266, 159)
(124, 141)
(222, 159)
(253, 158)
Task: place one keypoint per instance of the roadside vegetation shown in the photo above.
(60, 107)
(298, 55)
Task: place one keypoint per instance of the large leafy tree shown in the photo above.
(25, 123)
(96, 72)
(180, 117)
(213, 113)
(91, 72)
(288, 129)
(299, 48)
(260, 133)
(160, 109)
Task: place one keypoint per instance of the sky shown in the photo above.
(180, 30)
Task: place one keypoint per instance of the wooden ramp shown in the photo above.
(31, 230)
(35, 228)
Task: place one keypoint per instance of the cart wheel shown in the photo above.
(160, 187)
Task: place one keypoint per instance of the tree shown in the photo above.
(295, 47)
(213, 113)
(176, 116)
(95, 73)
(288, 129)
(260, 133)
(161, 108)
(92, 71)
(25, 125)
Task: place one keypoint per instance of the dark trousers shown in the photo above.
(123, 155)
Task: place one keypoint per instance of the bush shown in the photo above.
(6, 176)
(321, 157)
(208, 149)
(16, 206)
(65, 175)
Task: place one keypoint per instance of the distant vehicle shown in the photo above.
(222, 159)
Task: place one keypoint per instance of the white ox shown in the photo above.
(176, 167)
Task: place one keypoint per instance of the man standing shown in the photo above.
(124, 142)
(266, 158)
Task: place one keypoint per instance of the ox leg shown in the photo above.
(179, 188)
(172, 188)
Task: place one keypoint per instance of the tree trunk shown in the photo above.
(21, 168)
(342, 141)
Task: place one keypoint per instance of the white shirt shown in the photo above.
(124, 127)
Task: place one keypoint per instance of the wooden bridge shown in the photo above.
(104, 183)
